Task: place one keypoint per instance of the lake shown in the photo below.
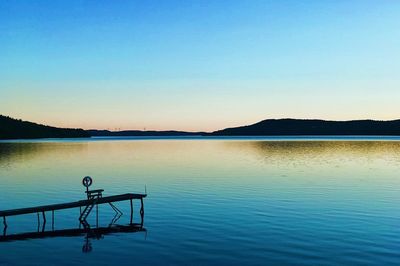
(219, 201)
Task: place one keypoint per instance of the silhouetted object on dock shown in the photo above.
(94, 198)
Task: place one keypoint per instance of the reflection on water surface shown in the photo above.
(215, 201)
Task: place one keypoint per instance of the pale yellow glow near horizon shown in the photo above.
(203, 125)
(183, 107)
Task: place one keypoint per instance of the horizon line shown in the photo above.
(201, 131)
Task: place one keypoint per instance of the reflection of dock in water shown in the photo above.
(88, 233)
(91, 233)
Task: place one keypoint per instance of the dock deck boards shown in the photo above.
(68, 205)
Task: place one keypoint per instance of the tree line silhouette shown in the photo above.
(11, 128)
(314, 127)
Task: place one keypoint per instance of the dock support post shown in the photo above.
(80, 213)
(38, 220)
(5, 226)
(97, 215)
(141, 211)
(141, 207)
(44, 221)
(131, 211)
(52, 220)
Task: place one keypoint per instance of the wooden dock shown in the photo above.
(75, 204)
(94, 199)
(81, 203)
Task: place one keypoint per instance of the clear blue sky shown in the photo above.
(198, 65)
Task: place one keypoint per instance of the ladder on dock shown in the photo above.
(85, 214)
(93, 196)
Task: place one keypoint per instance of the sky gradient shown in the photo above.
(198, 65)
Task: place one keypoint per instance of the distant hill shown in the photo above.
(300, 127)
(11, 128)
(125, 133)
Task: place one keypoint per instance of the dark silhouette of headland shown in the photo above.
(11, 128)
(314, 127)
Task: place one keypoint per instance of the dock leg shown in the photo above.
(44, 221)
(52, 220)
(141, 210)
(80, 213)
(141, 207)
(38, 220)
(5, 226)
(131, 211)
(97, 215)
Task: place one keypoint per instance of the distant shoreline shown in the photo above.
(11, 128)
(205, 138)
(282, 127)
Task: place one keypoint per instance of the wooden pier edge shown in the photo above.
(69, 205)
(90, 202)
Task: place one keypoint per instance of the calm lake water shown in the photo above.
(211, 201)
